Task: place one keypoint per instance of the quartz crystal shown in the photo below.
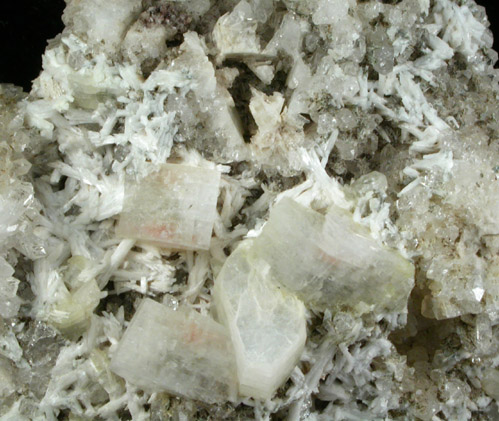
(267, 323)
(330, 261)
(174, 207)
(7, 382)
(180, 351)
(41, 345)
(9, 301)
(490, 383)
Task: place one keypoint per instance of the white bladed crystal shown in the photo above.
(181, 352)
(267, 324)
(173, 207)
(330, 261)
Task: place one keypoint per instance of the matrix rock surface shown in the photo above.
(253, 209)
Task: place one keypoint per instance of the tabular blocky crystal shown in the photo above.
(174, 207)
(181, 352)
(267, 323)
(331, 261)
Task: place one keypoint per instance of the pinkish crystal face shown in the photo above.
(174, 207)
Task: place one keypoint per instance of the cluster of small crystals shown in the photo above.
(388, 109)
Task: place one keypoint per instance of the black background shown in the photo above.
(26, 25)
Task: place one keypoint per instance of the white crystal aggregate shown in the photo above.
(325, 150)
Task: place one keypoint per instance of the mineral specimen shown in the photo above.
(178, 351)
(308, 187)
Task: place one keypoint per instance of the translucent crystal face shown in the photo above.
(174, 207)
(9, 302)
(181, 352)
(71, 315)
(266, 323)
(330, 261)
